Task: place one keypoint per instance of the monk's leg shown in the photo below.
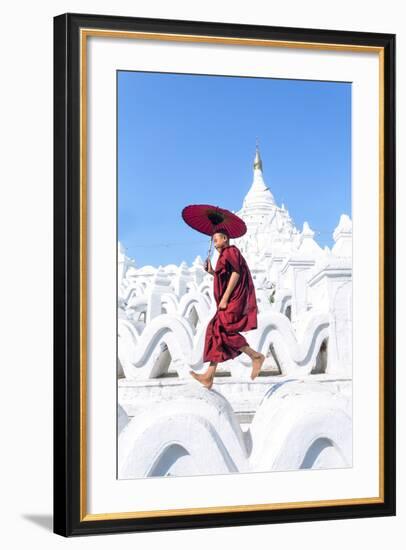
(257, 360)
(207, 378)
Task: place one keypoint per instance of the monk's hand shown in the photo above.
(223, 303)
(207, 266)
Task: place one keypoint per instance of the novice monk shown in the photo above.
(234, 293)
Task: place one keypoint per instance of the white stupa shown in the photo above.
(270, 228)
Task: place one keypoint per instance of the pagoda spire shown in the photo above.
(259, 195)
(257, 159)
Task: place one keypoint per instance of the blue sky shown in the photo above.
(190, 139)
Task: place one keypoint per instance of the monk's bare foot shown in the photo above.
(204, 379)
(256, 365)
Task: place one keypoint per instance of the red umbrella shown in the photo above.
(210, 219)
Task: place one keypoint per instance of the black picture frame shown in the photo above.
(68, 520)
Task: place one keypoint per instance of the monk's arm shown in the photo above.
(208, 267)
(231, 284)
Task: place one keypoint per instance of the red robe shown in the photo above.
(222, 339)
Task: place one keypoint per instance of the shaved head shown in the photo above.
(223, 232)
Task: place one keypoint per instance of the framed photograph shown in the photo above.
(224, 274)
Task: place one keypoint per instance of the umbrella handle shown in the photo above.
(211, 242)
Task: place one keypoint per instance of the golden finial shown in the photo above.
(257, 160)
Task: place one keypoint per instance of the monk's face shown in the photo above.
(220, 241)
